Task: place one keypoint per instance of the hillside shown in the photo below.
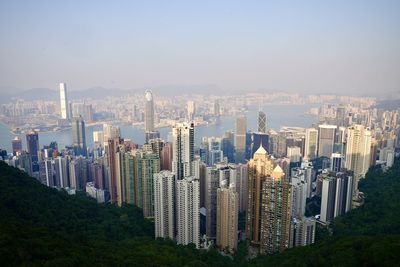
(41, 226)
(367, 236)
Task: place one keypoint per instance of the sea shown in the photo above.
(277, 116)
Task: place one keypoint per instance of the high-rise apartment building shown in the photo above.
(326, 140)
(79, 137)
(149, 165)
(336, 194)
(241, 185)
(337, 162)
(16, 146)
(358, 150)
(240, 140)
(302, 231)
(311, 144)
(188, 211)
(112, 149)
(110, 132)
(269, 205)
(78, 171)
(275, 213)
(64, 101)
(164, 204)
(32, 145)
(212, 184)
(227, 218)
(183, 150)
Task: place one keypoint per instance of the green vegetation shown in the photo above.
(367, 236)
(40, 226)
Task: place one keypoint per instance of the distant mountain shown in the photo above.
(96, 93)
(9, 93)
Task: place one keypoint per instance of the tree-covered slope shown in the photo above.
(46, 227)
(366, 236)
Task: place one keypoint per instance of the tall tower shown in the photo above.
(148, 112)
(358, 151)
(16, 146)
(112, 149)
(227, 218)
(326, 140)
(79, 136)
(216, 108)
(188, 211)
(64, 101)
(336, 195)
(275, 214)
(164, 204)
(212, 184)
(240, 142)
(262, 122)
(32, 144)
(150, 164)
(183, 150)
(269, 205)
(311, 144)
(191, 108)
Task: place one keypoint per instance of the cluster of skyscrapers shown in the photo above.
(196, 193)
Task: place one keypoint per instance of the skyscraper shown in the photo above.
(183, 150)
(216, 108)
(78, 171)
(227, 218)
(148, 112)
(110, 132)
(212, 184)
(254, 141)
(311, 144)
(32, 144)
(326, 140)
(240, 142)
(275, 213)
(262, 122)
(64, 101)
(336, 195)
(358, 151)
(302, 232)
(164, 204)
(112, 149)
(336, 162)
(166, 157)
(16, 146)
(269, 205)
(150, 164)
(188, 211)
(191, 109)
(79, 137)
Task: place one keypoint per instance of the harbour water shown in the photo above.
(277, 117)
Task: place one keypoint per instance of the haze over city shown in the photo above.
(199, 133)
(339, 47)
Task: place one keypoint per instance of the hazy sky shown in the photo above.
(305, 46)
